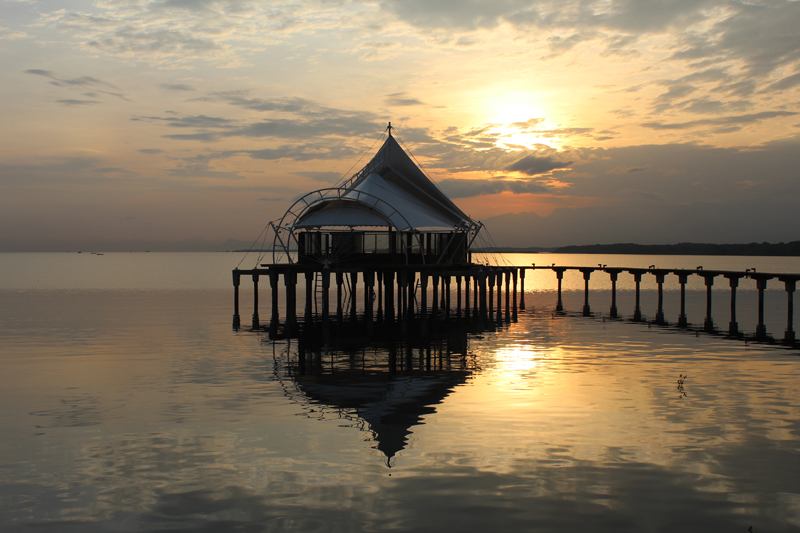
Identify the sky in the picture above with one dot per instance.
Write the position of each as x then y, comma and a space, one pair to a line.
182, 124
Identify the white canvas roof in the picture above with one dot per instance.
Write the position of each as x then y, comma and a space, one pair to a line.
389, 191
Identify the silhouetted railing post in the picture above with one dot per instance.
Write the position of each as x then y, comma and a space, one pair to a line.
733, 277
683, 276
587, 273
637, 278
560, 276
522, 289
790, 284
613, 273
236, 318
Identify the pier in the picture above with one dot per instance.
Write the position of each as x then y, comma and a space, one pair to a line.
424, 299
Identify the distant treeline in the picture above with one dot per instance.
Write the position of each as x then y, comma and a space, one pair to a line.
687, 248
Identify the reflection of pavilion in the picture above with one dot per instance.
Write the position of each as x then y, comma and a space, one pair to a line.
384, 388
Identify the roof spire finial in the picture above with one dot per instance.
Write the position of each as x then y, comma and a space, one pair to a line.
389, 129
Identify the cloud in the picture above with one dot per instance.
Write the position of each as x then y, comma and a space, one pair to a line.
81, 82
150, 150
323, 176
70, 102
400, 99
176, 87
736, 121
533, 165
463, 188
189, 121
785, 83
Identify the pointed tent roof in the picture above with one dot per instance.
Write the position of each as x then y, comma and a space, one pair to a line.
389, 190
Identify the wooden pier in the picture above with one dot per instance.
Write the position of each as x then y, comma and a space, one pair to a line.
430, 297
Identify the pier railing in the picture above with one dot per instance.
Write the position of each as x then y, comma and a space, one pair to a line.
469, 292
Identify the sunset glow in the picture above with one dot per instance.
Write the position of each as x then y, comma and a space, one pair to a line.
617, 111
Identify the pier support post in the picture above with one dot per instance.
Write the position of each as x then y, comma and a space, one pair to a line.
522, 289
290, 283
476, 296
761, 285
481, 293
339, 303
411, 283
733, 326
353, 295
256, 321
790, 283
560, 275
369, 297
637, 278
326, 294
507, 274
388, 283
458, 296
467, 283
708, 324
308, 309
435, 302
274, 318
379, 283
491, 278
236, 318
499, 277
446, 302
660, 274
683, 276
514, 289
613, 273
423, 301
587, 273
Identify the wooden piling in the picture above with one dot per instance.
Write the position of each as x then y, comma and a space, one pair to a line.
637, 278
682, 278
274, 318
587, 273
522, 289
560, 276
790, 283
236, 281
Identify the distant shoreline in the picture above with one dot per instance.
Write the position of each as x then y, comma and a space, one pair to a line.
781, 249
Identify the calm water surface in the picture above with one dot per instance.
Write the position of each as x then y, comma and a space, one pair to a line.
128, 404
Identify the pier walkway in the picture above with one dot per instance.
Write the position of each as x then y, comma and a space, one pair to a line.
431, 296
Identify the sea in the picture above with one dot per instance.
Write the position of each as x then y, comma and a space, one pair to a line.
128, 402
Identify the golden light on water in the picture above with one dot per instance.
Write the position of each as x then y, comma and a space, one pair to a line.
515, 361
